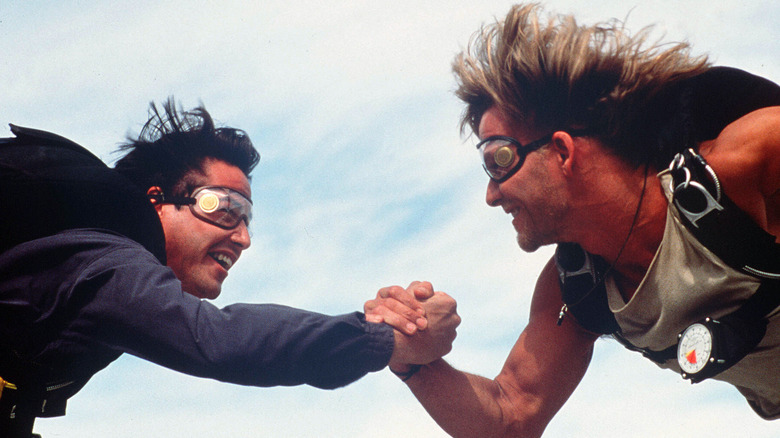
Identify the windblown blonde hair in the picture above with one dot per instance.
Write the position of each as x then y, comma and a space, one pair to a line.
557, 74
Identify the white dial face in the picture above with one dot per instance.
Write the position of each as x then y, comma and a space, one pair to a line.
695, 348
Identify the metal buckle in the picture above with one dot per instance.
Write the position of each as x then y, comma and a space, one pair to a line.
587, 267
711, 204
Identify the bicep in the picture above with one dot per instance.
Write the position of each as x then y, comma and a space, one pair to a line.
547, 362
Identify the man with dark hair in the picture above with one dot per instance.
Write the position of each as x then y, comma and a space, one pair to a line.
577, 128
176, 160
89, 289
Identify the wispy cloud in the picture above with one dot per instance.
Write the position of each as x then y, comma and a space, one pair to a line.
364, 182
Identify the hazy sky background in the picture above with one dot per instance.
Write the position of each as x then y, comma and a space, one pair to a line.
364, 182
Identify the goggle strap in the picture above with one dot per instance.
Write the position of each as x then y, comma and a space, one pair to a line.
175, 200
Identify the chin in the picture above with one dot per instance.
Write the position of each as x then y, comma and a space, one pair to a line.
203, 292
528, 245
211, 294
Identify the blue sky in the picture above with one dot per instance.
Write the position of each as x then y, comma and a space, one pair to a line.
364, 182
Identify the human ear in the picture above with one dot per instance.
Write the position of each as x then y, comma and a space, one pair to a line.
155, 195
563, 146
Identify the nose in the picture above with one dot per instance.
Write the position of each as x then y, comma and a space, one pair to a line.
241, 236
493, 195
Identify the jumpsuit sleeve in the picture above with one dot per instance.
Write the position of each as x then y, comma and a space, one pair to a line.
135, 305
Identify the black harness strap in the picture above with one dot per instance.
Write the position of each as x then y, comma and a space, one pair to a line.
718, 223
581, 276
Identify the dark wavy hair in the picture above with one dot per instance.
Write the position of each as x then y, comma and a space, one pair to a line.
173, 145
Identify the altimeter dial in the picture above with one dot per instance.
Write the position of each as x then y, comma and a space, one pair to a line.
695, 348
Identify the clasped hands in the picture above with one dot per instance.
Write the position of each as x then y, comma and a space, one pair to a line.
425, 322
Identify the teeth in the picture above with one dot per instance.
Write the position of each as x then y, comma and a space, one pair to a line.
224, 260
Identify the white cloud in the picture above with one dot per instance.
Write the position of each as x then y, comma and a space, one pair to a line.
364, 182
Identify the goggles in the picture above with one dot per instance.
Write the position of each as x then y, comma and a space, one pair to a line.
503, 156
219, 206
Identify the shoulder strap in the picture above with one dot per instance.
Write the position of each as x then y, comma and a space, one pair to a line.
581, 276
49, 184
718, 223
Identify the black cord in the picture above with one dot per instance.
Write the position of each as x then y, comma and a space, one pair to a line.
620, 252
630, 231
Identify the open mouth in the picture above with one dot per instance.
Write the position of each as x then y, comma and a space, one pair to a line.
223, 260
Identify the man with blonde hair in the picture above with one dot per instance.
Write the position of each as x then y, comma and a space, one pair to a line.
577, 128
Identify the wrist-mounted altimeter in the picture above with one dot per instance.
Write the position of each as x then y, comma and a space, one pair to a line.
698, 351
709, 347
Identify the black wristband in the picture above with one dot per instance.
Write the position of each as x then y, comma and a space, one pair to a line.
413, 369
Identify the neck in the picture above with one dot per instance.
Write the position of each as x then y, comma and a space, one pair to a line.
624, 224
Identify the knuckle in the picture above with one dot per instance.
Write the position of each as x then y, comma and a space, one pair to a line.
380, 309
386, 292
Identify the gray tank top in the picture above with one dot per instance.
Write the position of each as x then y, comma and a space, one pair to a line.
685, 283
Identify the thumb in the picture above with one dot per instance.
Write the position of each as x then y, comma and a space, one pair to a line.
422, 290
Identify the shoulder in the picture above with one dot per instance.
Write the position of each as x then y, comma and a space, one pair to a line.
746, 148
97, 250
546, 305
71, 250
94, 239
112, 270
765, 119
547, 293
52, 270
746, 158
